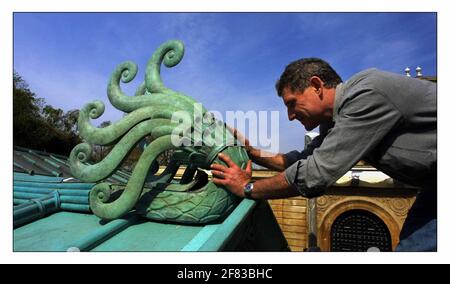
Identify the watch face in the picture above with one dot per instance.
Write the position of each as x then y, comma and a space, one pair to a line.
248, 189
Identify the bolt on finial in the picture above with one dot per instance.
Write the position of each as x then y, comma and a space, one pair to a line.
407, 70
419, 72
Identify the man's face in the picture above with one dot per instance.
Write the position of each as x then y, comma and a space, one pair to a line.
304, 106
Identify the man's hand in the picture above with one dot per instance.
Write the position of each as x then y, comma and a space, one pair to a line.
233, 178
266, 159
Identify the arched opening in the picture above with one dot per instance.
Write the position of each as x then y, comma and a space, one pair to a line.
359, 230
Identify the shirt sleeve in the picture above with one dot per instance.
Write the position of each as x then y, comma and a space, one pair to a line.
293, 156
363, 120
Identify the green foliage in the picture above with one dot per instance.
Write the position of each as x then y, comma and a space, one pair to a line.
40, 126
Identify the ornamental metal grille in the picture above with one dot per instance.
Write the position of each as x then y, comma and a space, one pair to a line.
359, 230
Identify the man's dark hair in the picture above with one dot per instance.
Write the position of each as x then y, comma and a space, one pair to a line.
297, 74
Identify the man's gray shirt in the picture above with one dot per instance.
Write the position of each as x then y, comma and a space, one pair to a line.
388, 120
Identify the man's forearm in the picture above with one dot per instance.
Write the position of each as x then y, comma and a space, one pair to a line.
269, 160
273, 188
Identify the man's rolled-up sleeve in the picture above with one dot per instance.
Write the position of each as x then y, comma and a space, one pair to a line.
294, 156
362, 123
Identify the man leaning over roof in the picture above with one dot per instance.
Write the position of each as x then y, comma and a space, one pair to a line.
385, 119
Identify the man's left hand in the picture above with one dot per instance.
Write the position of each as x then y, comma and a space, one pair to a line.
233, 178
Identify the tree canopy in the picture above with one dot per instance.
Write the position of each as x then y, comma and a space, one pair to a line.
40, 126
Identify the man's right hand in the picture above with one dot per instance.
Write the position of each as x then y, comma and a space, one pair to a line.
271, 161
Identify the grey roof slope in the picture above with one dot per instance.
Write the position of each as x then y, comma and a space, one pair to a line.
35, 162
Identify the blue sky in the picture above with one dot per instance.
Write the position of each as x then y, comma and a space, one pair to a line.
231, 61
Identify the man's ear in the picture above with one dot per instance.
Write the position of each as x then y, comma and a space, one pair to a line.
317, 84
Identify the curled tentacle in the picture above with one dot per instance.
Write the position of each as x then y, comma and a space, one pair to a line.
109, 134
99, 194
81, 153
134, 187
92, 110
101, 170
171, 52
126, 72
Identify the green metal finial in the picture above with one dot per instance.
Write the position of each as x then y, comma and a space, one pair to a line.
165, 116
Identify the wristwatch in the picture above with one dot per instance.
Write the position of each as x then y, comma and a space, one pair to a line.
248, 188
